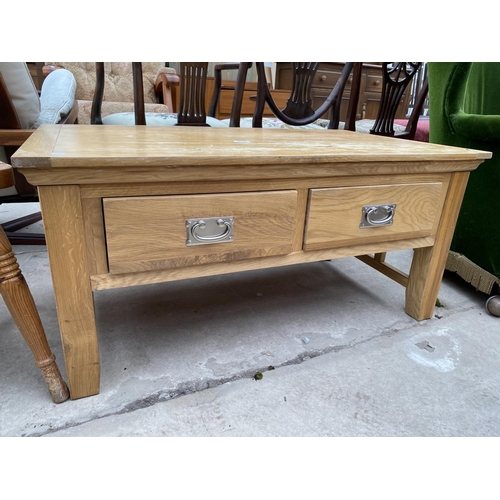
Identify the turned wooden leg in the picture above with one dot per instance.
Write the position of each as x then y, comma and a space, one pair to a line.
19, 301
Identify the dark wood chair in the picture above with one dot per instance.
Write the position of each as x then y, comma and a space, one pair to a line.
12, 136
20, 303
397, 78
192, 98
299, 108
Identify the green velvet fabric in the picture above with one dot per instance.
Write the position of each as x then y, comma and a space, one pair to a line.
464, 109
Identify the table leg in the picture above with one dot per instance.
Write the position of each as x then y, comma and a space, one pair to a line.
20, 303
428, 263
65, 236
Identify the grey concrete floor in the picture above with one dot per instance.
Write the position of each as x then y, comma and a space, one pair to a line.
338, 354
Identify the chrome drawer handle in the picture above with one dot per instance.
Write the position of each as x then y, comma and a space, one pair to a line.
206, 231
377, 215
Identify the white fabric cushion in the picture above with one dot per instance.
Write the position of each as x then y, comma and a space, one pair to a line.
154, 119
364, 126
57, 97
271, 122
22, 91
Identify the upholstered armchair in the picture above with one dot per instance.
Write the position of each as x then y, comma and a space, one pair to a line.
23, 109
191, 92
118, 87
464, 106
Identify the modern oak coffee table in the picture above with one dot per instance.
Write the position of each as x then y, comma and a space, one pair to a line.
126, 206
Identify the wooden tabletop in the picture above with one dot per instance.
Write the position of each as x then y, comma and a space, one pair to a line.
91, 146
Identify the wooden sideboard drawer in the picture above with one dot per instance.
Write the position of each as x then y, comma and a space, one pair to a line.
327, 79
335, 214
147, 233
248, 102
374, 83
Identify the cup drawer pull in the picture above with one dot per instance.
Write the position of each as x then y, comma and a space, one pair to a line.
377, 215
209, 230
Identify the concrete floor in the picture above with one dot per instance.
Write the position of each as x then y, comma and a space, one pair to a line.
338, 354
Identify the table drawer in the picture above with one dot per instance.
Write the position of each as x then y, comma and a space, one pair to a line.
145, 233
335, 215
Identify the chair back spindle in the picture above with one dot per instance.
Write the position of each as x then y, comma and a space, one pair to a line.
396, 78
193, 79
299, 110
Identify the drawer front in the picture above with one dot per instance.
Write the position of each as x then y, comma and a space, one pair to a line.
325, 78
146, 233
374, 83
335, 215
248, 102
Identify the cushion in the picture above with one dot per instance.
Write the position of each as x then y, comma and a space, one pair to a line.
422, 132
111, 107
154, 119
364, 126
118, 82
22, 91
271, 122
57, 97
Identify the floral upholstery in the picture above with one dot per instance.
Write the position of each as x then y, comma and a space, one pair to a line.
118, 87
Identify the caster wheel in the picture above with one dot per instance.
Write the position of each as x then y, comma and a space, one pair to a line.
493, 305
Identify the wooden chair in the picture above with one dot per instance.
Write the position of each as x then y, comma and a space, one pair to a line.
21, 110
192, 99
397, 78
299, 111
20, 303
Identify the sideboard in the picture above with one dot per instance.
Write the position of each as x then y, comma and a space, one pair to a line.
326, 77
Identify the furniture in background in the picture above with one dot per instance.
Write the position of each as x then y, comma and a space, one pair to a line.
191, 92
118, 90
397, 78
370, 88
20, 303
299, 110
22, 110
464, 104
134, 205
223, 94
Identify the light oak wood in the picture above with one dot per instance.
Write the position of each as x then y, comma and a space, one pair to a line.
233, 186
65, 236
390, 271
335, 214
110, 281
95, 235
112, 147
428, 263
145, 233
289, 190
